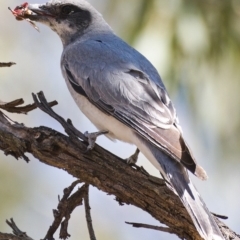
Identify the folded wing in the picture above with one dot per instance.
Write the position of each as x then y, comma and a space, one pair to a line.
130, 90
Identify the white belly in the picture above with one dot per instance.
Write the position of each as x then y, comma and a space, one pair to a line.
102, 121
116, 129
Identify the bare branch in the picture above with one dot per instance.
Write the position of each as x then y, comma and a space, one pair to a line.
88, 214
220, 216
42, 104
9, 64
162, 229
101, 169
13, 106
17, 233
64, 209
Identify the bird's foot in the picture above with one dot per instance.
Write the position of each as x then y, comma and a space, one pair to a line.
133, 158
92, 137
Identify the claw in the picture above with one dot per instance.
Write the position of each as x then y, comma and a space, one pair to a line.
92, 137
133, 158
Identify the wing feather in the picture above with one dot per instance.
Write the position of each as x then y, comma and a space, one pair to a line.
129, 90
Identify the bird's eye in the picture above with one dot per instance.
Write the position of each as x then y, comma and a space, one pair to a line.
67, 10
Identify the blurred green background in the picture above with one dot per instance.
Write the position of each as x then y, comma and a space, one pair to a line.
195, 45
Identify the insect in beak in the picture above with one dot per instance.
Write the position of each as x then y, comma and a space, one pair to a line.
22, 12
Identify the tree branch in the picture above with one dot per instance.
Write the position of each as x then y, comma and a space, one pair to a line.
9, 64
17, 233
88, 215
142, 225
64, 209
101, 169
13, 106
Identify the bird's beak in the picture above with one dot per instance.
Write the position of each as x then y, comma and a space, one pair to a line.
39, 12
33, 13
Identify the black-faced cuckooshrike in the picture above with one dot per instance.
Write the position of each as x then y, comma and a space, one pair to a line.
120, 91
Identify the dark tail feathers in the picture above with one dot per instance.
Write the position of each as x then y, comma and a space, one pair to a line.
176, 174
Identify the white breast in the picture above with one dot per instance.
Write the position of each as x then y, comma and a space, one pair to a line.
102, 121
116, 129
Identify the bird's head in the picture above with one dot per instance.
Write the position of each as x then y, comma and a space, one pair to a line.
70, 19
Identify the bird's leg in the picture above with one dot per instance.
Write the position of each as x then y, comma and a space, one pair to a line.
92, 137
133, 158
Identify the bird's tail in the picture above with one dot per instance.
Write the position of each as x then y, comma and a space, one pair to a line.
178, 177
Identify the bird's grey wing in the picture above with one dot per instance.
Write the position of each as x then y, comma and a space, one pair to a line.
118, 85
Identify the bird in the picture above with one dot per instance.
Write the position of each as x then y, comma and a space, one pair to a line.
123, 95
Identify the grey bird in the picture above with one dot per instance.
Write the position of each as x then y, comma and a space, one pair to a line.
121, 92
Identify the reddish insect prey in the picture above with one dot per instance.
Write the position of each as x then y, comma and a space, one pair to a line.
22, 12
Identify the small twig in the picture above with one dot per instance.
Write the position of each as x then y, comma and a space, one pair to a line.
220, 216
9, 64
13, 106
76, 131
16, 231
162, 229
88, 214
42, 104
65, 207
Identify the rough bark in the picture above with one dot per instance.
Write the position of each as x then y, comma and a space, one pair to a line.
101, 169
